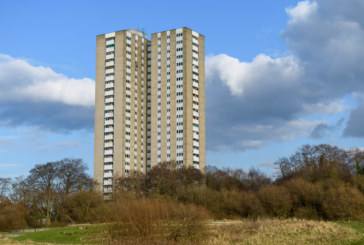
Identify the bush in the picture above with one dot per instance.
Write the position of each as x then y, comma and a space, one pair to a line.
344, 203
12, 217
81, 207
276, 201
251, 206
306, 197
154, 220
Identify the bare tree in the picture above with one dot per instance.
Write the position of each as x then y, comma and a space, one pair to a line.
4, 187
20, 191
317, 162
72, 176
43, 181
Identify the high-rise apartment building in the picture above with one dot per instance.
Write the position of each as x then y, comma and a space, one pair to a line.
150, 102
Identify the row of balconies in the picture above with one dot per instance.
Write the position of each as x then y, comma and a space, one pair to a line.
108, 174
109, 56
109, 85
109, 114
109, 99
109, 122
109, 129
109, 92
109, 107
195, 92
108, 159
109, 70
110, 49
110, 63
111, 41
109, 78
107, 182
109, 137
196, 136
108, 151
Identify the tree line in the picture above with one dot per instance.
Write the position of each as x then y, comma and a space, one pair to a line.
35, 200
319, 182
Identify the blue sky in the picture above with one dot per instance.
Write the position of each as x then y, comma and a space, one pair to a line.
279, 74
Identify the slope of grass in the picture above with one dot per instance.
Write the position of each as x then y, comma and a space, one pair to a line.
62, 235
355, 225
289, 231
267, 232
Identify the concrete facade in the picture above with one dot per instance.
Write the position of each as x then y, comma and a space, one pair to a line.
150, 102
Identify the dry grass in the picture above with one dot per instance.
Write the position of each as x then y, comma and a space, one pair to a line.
289, 231
262, 231
6, 241
154, 221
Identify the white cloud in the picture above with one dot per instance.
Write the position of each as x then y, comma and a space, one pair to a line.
21, 81
250, 104
302, 12
37, 96
239, 75
326, 107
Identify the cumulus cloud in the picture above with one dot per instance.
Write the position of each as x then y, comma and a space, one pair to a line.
324, 129
20, 81
250, 104
38, 96
355, 126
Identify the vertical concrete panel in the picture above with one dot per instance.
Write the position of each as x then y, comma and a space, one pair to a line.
173, 95
201, 58
187, 98
99, 111
119, 104
164, 97
154, 99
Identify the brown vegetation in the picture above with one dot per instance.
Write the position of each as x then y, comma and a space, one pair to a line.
12, 217
274, 231
170, 204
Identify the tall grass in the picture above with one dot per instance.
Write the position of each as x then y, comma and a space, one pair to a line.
154, 220
287, 231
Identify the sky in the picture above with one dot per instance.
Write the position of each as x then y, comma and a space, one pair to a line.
279, 74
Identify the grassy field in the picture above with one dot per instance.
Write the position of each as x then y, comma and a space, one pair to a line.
62, 235
274, 232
